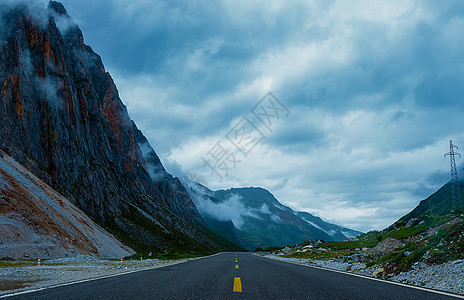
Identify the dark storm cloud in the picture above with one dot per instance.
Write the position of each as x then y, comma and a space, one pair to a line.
374, 91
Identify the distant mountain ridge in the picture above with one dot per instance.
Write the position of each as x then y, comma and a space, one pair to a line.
253, 217
62, 118
336, 231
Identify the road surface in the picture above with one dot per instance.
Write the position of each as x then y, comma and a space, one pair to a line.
234, 276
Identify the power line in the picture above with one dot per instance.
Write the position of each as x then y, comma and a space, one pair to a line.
455, 190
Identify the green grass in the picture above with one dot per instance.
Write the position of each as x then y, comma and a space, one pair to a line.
404, 232
446, 245
320, 255
397, 231
367, 240
18, 263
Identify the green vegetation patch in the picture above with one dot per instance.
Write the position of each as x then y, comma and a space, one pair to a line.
320, 255
18, 263
446, 245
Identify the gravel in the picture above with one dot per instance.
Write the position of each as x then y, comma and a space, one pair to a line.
76, 259
448, 277
445, 277
65, 270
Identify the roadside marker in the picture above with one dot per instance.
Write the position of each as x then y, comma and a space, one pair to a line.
38, 261
237, 285
121, 259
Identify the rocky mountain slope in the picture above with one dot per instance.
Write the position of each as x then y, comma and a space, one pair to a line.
253, 217
62, 118
36, 221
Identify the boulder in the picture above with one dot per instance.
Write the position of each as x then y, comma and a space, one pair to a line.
379, 273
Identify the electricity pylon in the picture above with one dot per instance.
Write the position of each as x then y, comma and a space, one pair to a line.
455, 190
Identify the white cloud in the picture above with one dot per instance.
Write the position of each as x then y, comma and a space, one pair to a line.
64, 23
351, 180
156, 172
231, 208
372, 88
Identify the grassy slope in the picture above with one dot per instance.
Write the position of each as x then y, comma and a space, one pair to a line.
438, 203
443, 244
447, 244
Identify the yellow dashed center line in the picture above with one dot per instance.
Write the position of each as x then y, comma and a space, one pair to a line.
237, 284
237, 281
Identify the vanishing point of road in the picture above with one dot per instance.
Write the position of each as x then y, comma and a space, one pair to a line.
234, 276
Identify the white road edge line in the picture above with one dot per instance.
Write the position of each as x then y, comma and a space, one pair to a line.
371, 278
101, 277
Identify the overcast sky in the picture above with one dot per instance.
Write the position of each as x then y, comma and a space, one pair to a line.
374, 92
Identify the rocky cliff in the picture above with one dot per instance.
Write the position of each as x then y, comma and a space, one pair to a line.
62, 118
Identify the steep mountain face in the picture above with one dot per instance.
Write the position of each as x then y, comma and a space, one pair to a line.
36, 221
62, 118
260, 219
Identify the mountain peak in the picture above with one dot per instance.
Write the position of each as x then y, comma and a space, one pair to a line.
257, 218
58, 8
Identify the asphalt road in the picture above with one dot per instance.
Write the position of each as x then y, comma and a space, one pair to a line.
234, 276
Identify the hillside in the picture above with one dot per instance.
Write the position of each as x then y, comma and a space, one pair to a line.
62, 118
36, 221
419, 240
439, 203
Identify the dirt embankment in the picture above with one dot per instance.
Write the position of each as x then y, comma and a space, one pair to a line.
38, 222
